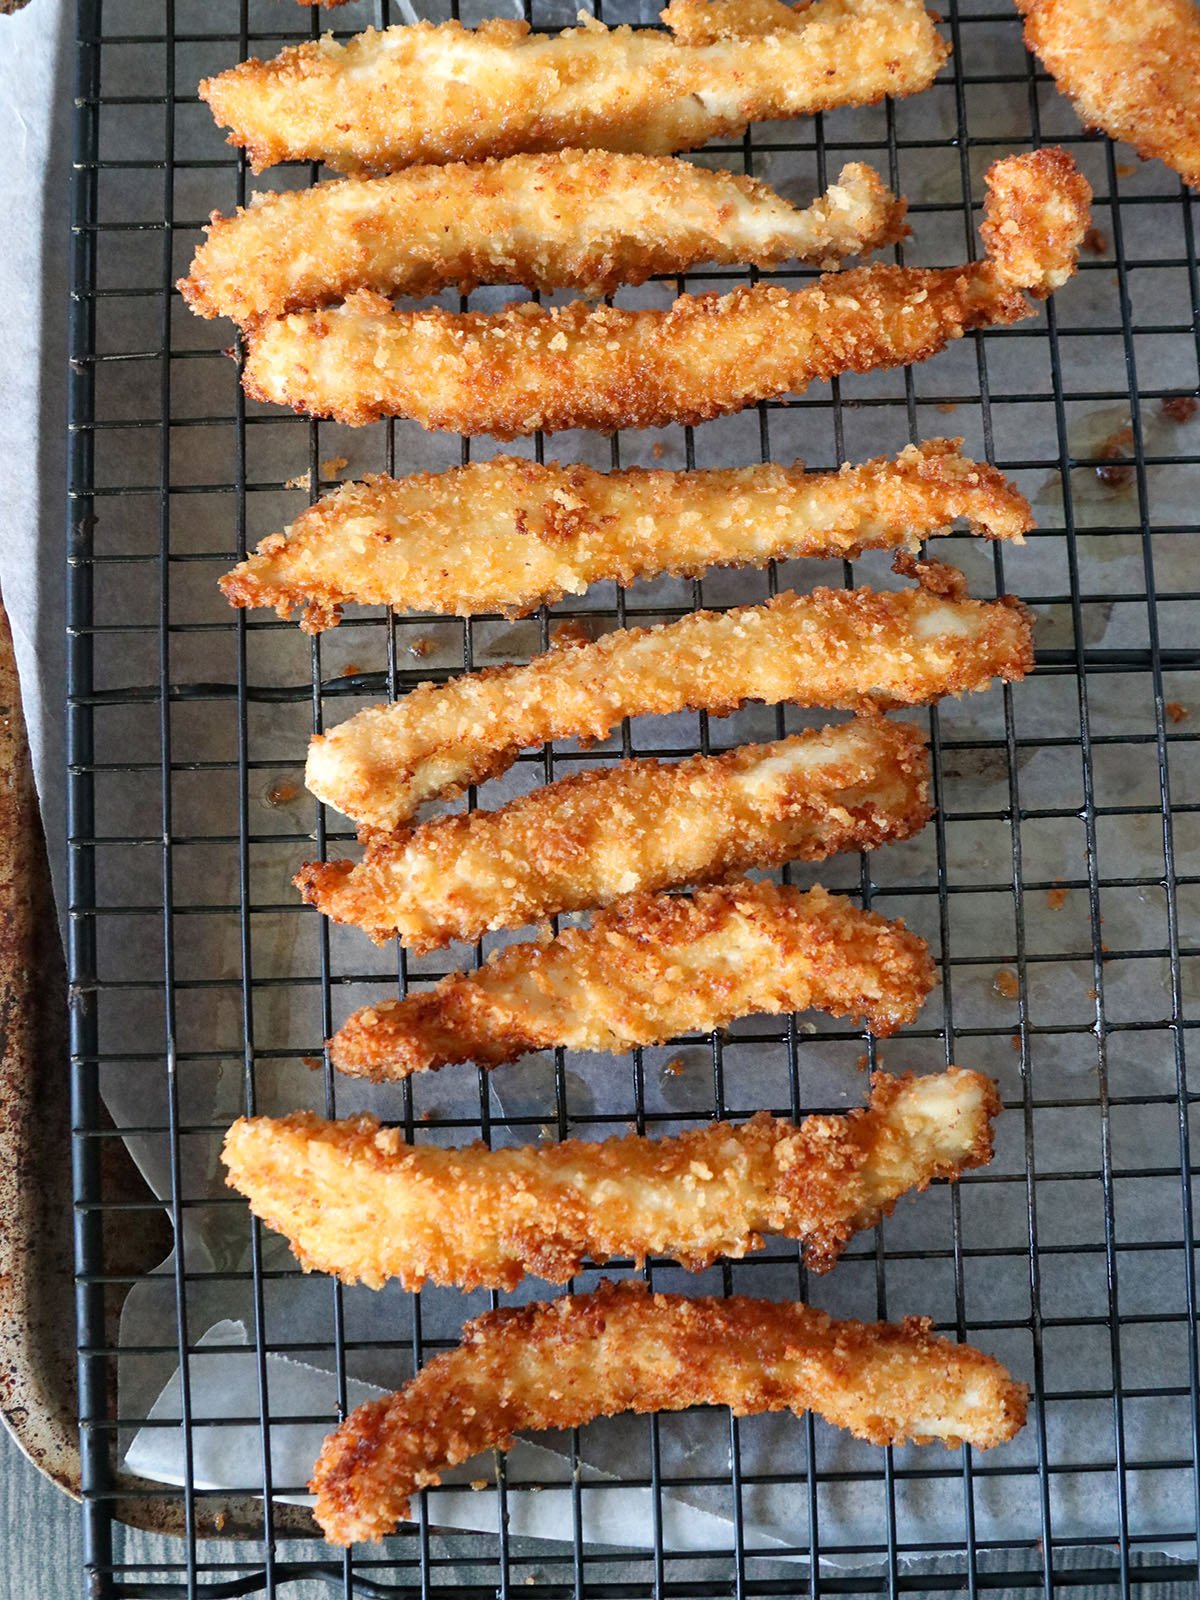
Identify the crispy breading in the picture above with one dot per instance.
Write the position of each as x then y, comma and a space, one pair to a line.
353, 1199
511, 534
579, 366
443, 92
579, 219
649, 968
562, 1363
1130, 70
836, 648
644, 825
706, 21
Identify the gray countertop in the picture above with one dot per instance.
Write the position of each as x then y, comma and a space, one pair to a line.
40, 1546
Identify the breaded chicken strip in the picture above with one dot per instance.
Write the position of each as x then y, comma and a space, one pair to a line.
1133, 71
837, 648
587, 840
448, 93
353, 1199
578, 219
510, 534
649, 968
528, 367
562, 1363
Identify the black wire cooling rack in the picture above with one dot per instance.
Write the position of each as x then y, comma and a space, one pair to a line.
1058, 883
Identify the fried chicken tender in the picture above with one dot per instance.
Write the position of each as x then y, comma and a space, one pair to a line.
354, 1200
649, 968
836, 648
579, 366
441, 93
1130, 70
510, 534
562, 1363
579, 219
586, 840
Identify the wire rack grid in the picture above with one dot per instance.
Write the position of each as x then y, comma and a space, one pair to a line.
1053, 883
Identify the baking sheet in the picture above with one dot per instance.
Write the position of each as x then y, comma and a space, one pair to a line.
35, 128
991, 1210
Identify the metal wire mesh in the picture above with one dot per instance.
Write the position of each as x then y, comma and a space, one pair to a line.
1083, 1014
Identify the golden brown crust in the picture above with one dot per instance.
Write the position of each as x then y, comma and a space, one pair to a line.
1035, 215
587, 840
354, 1200
580, 219
528, 367
650, 968
835, 648
706, 21
447, 93
1130, 70
511, 534
561, 1364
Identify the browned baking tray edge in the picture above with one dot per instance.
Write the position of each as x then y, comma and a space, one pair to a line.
37, 1367
37, 1302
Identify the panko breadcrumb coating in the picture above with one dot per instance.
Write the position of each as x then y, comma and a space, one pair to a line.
442, 92
649, 968
836, 648
562, 1363
576, 219
353, 1199
527, 368
644, 825
511, 534
1133, 71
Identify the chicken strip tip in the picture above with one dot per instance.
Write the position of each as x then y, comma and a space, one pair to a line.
441, 92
